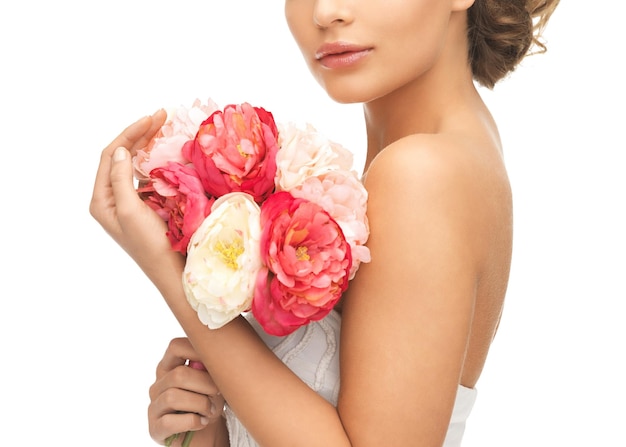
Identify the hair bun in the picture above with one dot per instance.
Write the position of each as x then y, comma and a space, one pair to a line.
502, 32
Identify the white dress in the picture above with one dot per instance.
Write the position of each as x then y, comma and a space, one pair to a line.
312, 352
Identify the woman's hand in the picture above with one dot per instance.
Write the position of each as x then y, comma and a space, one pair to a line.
185, 399
116, 205
182, 398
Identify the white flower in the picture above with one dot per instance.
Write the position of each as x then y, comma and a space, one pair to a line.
306, 153
223, 260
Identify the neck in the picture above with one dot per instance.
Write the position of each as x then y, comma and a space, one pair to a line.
426, 104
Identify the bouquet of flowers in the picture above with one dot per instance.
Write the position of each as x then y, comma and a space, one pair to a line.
270, 217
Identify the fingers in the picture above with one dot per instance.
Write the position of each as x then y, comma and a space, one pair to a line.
173, 423
121, 177
177, 400
185, 378
182, 398
172, 372
138, 134
131, 135
158, 119
177, 353
178, 411
115, 203
127, 139
135, 136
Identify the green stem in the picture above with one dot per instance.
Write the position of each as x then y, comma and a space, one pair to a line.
168, 441
187, 439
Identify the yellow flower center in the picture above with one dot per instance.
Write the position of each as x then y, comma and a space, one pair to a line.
241, 152
302, 253
230, 252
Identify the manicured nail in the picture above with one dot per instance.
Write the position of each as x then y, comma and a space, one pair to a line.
120, 154
197, 365
204, 421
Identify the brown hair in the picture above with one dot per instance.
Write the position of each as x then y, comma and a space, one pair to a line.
502, 32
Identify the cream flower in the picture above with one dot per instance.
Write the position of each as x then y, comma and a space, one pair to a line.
223, 260
307, 153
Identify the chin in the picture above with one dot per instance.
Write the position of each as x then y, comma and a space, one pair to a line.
346, 100
347, 95
355, 88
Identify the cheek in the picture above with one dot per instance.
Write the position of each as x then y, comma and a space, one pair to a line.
418, 34
415, 45
299, 18
304, 33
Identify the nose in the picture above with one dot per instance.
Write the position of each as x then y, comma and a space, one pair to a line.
328, 13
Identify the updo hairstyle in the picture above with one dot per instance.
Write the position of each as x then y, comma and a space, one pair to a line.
502, 32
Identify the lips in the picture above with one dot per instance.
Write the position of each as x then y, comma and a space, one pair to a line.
341, 54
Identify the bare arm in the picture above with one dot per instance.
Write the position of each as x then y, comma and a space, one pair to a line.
263, 392
406, 318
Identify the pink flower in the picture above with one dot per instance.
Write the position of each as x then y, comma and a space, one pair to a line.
308, 263
235, 151
307, 153
176, 194
342, 195
180, 127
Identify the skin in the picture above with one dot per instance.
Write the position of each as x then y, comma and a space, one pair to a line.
419, 319
179, 388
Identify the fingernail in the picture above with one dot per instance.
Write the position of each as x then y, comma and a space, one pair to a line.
119, 154
197, 365
204, 420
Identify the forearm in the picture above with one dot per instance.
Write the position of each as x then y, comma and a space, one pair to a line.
214, 435
264, 394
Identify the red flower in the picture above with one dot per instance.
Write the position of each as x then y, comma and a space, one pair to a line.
235, 151
175, 192
308, 263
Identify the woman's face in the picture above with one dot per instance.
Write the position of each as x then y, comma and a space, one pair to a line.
361, 50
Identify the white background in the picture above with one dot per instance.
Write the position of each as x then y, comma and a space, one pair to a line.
82, 330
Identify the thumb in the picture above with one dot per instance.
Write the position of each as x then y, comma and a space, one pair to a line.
122, 180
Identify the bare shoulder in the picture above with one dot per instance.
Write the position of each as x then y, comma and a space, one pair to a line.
441, 176
435, 160
434, 207
441, 193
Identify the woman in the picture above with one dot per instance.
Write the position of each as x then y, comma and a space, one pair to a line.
417, 321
